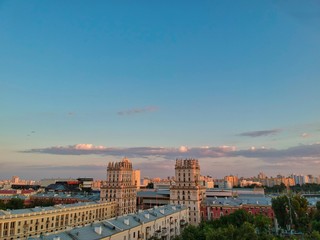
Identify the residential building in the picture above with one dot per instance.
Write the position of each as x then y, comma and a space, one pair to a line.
232, 179
136, 178
119, 187
23, 223
163, 223
188, 189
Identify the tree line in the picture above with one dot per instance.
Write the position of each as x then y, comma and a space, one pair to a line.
241, 225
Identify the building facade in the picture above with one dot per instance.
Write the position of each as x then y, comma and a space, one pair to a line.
24, 223
120, 187
163, 223
188, 189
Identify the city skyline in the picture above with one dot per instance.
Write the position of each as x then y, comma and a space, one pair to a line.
233, 84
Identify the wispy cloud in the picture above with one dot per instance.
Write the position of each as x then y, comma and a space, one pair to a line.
300, 151
138, 110
260, 133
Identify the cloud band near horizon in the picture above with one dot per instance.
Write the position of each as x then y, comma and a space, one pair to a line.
300, 151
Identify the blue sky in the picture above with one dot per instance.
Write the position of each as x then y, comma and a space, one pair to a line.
233, 83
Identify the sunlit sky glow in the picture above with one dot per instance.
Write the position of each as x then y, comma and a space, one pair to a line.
232, 83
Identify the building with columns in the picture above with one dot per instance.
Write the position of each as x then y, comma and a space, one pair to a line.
188, 189
120, 187
40, 221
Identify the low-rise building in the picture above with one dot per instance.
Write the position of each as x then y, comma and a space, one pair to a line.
217, 207
24, 223
163, 223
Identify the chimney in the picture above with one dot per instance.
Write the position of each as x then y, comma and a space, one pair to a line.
98, 230
126, 221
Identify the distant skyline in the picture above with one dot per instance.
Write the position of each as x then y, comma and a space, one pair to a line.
234, 84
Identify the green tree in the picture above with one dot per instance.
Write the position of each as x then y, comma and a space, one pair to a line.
39, 202
262, 223
192, 233
292, 210
15, 203
315, 235
301, 220
246, 232
221, 233
280, 206
150, 185
237, 218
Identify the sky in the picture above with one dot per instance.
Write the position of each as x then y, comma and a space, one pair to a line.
234, 84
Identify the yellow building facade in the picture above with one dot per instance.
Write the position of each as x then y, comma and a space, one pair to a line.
24, 223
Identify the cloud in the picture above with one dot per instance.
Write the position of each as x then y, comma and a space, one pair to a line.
260, 133
172, 153
304, 152
138, 110
305, 135
85, 146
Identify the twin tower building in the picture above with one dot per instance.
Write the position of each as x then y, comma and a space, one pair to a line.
187, 189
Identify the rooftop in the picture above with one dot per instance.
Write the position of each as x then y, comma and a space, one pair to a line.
114, 225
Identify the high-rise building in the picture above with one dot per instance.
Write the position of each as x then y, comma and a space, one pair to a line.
136, 178
15, 180
119, 187
232, 179
188, 189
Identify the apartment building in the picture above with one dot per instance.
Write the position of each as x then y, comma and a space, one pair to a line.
163, 223
23, 223
120, 187
188, 189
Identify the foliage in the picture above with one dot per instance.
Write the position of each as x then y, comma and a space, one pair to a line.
315, 235
306, 188
238, 225
262, 223
280, 208
293, 211
242, 225
38, 202
150, 185
13, 203
276, 188
192, 232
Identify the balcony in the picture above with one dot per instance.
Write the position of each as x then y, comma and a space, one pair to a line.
164, 232
157, 234
183, 222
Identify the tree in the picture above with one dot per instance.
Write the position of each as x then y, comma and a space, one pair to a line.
246, 232
192, 233
2, 205
150, 185
39, 202
292, 211
15, 203
262, 223
221, 233
281, 210
236, 218
315, 235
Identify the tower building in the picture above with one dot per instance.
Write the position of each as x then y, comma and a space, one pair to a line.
187, 189
120, 187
